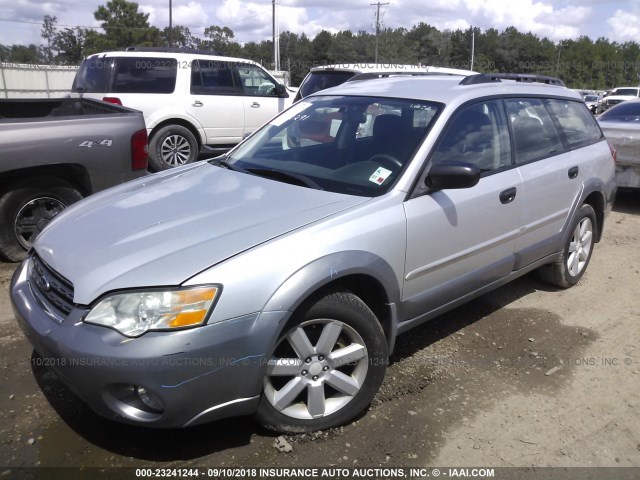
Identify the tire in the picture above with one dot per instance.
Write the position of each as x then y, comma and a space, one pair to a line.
27, 209
172, 146
326, 367
569, 268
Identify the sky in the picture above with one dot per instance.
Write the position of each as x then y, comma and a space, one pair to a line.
21, 20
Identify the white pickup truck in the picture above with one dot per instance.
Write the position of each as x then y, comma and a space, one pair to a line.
53, 152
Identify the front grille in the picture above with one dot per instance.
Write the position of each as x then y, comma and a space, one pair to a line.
57, 290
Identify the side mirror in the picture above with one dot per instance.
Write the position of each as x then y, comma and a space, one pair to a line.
452, 175
281, 90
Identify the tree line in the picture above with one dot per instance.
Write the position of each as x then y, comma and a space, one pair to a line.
582, 63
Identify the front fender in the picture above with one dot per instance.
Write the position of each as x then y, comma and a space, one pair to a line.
330, 269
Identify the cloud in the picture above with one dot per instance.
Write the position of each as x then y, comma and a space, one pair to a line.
624, 26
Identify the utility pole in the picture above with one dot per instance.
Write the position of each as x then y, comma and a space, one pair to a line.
170, 25
377, 24
473, 46
558, 62
276, 39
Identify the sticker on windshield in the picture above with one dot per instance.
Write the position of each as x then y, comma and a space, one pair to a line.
292, 112
380, 175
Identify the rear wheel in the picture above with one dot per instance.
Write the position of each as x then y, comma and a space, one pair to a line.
569, 268
27, 209
172, 146
326, 367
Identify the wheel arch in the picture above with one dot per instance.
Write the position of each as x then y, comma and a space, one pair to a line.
364, 274
178, 121
76, 176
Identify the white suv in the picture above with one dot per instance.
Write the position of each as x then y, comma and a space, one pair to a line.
327, 76
188, 99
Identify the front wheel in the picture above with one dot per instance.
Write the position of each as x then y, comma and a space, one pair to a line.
172, 146
569, 268
27, 209
326, 367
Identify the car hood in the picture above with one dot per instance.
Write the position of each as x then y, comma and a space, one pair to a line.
163, 229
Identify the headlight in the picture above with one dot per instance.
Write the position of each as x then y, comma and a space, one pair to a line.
135, 313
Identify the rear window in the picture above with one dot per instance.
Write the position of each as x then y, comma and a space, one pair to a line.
126, 75
624, 112
317, 81
625, 91
93, 75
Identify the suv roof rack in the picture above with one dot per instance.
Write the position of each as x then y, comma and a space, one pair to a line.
370, 75
518, 77
173, 50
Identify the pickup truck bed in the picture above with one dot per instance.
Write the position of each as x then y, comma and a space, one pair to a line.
53, 152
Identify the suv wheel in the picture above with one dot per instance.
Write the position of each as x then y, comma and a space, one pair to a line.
172, 146
27, 209
568, 270
325, 368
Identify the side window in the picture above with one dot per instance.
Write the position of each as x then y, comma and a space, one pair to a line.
478, 134
534, 132
209, 77
145, 75
256, 82
576, 122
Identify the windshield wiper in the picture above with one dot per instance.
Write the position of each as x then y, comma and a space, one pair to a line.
220, 162
288, 177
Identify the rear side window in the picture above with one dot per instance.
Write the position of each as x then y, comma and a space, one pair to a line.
211, 77
534, 132
576, 122
145, 75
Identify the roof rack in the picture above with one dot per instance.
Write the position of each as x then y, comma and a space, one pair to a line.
518, 77
173, 50
401, 73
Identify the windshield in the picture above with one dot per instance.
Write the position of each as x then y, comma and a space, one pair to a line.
351, 145
317, 81
625, 91
625, 112
591, 98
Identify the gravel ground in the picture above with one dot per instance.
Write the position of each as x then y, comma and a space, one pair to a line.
525, 376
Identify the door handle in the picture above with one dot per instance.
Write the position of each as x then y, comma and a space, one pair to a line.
255, 105
508, 195
198, 103
573, 172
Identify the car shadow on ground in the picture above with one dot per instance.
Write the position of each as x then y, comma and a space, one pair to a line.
195, 442
627, 201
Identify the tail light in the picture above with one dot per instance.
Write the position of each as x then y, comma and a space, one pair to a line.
115, 100
139, 150
614, 152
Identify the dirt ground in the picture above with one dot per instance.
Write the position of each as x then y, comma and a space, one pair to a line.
525, 376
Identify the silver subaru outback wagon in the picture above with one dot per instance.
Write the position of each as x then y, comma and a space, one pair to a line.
274, 280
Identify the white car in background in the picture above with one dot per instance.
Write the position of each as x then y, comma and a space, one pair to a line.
327, 76
190, 98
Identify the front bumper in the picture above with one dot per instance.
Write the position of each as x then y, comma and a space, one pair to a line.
200, 375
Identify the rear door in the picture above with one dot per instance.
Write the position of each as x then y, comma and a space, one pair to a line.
215, 100
461, 240
548, 136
